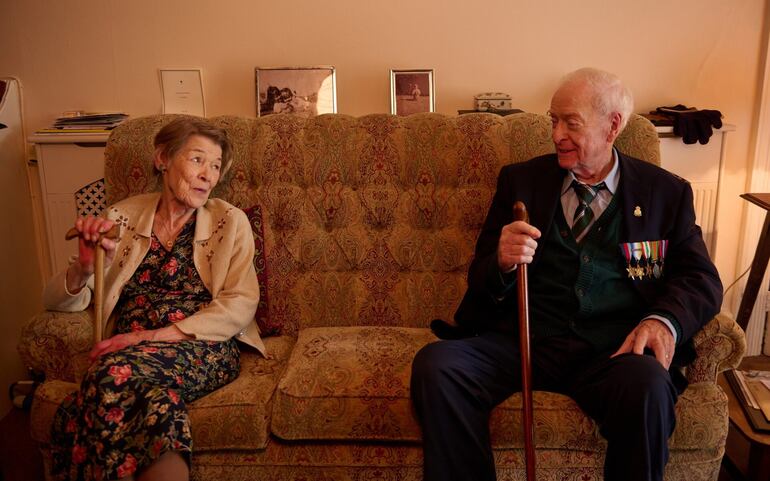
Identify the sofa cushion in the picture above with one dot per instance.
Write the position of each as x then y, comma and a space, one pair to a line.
352, 383
560, 424
349, 383
236, 416
267, 326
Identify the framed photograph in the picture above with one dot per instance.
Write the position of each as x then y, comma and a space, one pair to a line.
412, 91
305, 91
182, 91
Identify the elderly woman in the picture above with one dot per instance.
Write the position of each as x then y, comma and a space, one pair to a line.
180, 286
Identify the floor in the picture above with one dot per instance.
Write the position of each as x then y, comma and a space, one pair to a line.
728, 473
19, 458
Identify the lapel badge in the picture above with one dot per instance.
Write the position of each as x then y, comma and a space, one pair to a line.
637, 211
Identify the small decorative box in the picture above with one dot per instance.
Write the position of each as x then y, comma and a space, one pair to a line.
492, 101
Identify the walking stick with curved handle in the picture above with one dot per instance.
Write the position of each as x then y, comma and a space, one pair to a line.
520, 213
98, 277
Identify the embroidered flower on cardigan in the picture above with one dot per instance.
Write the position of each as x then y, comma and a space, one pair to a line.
121, 220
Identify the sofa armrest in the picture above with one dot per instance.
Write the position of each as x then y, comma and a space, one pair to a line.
720, 346
57, 344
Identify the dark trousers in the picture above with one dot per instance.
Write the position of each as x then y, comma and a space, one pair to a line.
456, 384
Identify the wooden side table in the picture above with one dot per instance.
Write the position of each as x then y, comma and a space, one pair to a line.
758, 265
747, 450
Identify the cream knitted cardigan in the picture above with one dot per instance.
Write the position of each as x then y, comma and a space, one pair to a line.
223, 253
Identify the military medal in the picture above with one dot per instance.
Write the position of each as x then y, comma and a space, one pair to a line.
655, 259
662, 244
644, 259
626, 249
640, 272
638, 252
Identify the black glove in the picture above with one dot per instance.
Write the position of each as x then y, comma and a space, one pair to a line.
691, 124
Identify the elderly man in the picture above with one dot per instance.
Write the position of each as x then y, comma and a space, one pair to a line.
619, 282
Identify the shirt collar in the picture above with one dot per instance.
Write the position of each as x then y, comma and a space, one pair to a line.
611, 180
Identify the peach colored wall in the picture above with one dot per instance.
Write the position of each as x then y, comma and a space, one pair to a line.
104, 54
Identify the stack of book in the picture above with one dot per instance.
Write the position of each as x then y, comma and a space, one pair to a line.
85, 122
752, 388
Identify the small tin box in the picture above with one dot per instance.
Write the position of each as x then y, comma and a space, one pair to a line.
492, 101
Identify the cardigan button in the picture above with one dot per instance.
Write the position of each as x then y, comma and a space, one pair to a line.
580, 292
586, 259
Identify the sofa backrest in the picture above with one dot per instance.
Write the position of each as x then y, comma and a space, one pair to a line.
369, 220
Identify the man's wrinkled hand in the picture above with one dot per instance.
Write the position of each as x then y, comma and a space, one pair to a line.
652, 334
516, 245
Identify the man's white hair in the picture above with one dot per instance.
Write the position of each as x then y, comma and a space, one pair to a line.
609, 93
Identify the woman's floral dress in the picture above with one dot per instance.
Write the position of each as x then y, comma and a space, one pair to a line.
130, 408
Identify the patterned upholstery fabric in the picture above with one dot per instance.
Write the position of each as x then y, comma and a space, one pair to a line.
352, 383
57, 344
401, 462
349, 383
266, 326
369, 225
720, 346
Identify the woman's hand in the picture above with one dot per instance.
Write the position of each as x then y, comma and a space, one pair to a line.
89, 228
121, 341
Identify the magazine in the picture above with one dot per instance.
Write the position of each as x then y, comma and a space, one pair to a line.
753, 394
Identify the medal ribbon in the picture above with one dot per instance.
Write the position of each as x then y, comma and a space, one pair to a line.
626, 249
654, 252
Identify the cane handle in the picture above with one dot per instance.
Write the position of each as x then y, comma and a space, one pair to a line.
98, 277
520, 211
110, 234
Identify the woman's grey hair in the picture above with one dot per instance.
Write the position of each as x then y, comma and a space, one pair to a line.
609, 93
174, 135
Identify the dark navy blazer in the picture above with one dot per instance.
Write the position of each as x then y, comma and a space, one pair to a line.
689, 291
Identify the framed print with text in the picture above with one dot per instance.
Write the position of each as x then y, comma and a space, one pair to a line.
182, 91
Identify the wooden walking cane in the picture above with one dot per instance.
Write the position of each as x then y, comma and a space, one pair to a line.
520, 213
98, 277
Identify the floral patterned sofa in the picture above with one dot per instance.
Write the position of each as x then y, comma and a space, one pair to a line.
364, 230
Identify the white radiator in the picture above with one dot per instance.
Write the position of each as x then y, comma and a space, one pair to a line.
705, 201
701, 165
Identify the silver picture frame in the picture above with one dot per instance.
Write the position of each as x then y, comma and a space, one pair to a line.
412, 91
303, 91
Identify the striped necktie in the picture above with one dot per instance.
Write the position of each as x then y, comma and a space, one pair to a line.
584, 216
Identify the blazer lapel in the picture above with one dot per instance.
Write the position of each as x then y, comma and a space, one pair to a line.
635, 200
546, 198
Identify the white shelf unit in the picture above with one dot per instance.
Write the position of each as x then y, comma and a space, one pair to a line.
702, 166
66, 163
